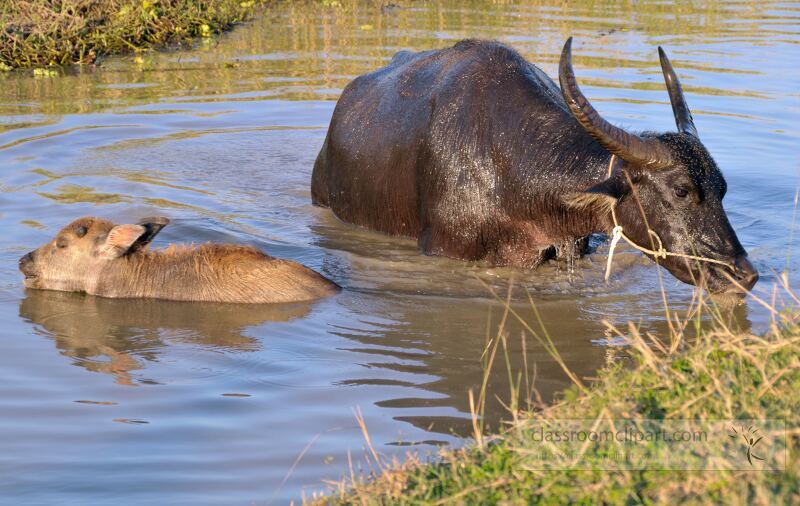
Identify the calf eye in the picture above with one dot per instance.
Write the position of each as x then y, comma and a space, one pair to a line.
681, 192
80, 231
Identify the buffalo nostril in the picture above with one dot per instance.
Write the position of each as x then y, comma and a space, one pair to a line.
28, 258
745, 273
750, 280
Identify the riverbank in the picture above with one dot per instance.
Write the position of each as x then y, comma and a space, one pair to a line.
722, 375
42, 33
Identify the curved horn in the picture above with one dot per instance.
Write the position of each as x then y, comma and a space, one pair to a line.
683, 117
629, 147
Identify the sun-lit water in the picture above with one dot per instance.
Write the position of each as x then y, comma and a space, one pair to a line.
154, 402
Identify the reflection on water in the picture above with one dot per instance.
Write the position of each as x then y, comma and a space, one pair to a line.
147, 401
116, 336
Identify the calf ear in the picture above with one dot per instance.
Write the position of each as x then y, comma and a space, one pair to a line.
121, 239
603, 195
153, 226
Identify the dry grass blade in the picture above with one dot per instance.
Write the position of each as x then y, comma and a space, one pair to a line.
545, 341
475, 420
363, 426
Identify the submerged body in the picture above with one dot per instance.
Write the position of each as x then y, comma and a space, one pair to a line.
93, 256
479, 155
427, 147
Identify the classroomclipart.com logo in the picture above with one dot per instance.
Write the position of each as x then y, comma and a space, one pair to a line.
651, 444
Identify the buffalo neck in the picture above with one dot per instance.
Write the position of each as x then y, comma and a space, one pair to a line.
552, 171
148, 274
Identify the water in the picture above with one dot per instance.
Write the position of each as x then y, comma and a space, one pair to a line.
151, 402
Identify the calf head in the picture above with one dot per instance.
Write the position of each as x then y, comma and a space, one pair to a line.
667, 183
74, 259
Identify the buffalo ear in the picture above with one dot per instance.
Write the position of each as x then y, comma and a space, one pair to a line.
120, 240
602, 196
153, 226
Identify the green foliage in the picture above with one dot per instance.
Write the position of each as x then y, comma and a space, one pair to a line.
42, 33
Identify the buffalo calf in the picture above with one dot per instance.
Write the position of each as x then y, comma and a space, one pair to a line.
95, 256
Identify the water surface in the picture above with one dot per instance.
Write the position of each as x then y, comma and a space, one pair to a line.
152, 402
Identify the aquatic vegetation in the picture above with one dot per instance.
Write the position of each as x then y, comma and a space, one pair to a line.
720, 374
71, 194
42, 33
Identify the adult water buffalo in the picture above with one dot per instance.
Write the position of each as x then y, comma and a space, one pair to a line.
479, 155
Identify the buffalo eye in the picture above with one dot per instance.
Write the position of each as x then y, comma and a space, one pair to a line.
80, 231
681, 192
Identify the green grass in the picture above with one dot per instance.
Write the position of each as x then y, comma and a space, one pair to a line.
720, 374
42, 33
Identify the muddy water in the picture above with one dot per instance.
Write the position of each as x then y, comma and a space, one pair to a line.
152, 402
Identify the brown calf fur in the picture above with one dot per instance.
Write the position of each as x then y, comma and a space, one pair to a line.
94, 256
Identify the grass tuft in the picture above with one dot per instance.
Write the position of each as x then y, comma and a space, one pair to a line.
720, 375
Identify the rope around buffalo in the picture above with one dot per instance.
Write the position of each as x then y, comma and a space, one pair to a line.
618, 233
